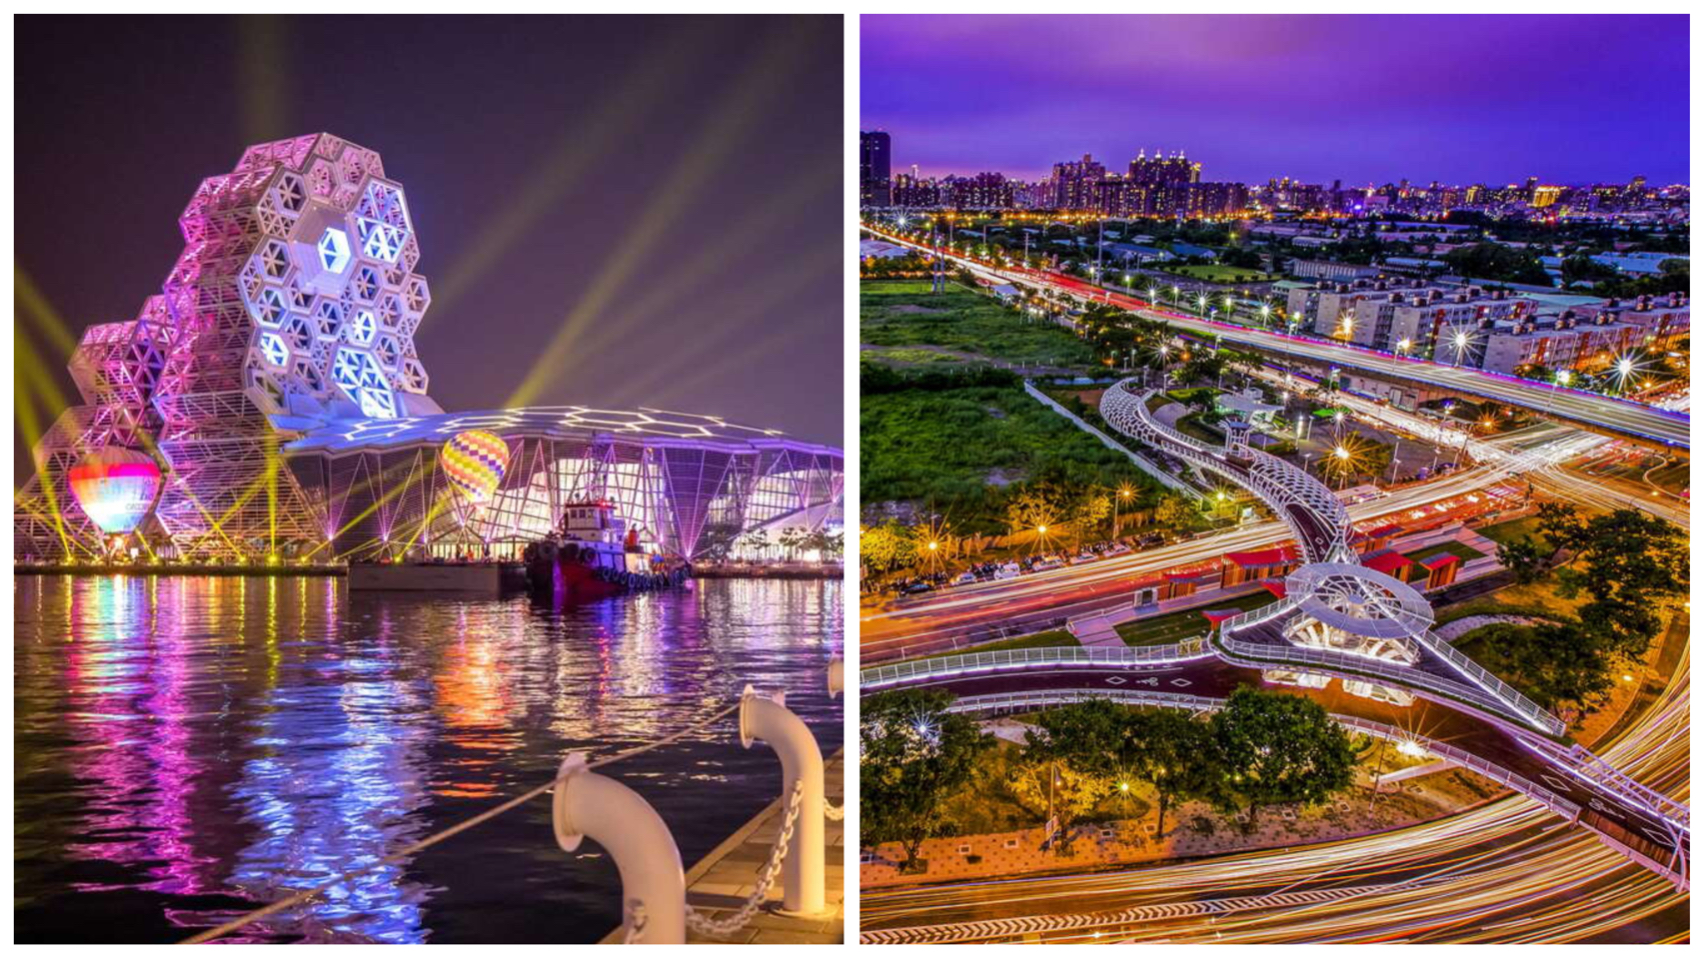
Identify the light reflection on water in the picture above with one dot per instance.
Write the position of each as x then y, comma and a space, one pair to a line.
190, 748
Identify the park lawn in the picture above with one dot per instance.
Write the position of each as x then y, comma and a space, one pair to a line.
904, 313
1523, 600
953, 449
1220, 273
1508, 531
1184, 624
1456, 547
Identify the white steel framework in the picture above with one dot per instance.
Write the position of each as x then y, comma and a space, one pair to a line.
275, 382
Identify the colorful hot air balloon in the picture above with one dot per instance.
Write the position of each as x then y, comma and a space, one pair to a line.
474, 461
116, 487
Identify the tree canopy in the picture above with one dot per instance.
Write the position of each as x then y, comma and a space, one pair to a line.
1279, 748
913, 754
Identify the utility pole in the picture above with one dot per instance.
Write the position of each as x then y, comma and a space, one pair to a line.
1374, 784
938, 272
1099, 223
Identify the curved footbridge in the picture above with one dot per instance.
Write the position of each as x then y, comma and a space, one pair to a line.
1355, 639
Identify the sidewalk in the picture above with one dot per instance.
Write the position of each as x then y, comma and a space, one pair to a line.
1195, 830
721, 882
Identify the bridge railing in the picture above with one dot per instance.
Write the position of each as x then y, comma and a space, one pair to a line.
1135, 413
988, 661
1507, 694
1486, 697
1258, 615
1027, 701
1593, 768
1445, 751
1277, 483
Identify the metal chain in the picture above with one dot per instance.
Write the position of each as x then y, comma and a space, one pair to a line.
704, 926
635, 921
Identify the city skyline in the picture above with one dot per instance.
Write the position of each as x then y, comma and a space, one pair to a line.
1281, 103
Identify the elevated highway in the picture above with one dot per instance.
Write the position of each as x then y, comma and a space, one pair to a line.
1609, 415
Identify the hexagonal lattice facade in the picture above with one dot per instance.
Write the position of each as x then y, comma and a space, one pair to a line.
295, 300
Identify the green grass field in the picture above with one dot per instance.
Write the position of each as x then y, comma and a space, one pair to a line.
1219, 273
955, 448
1184, 624
1530, 600
1510, 530
905, 314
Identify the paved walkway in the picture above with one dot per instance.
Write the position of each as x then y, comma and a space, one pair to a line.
721, 882
1099, 631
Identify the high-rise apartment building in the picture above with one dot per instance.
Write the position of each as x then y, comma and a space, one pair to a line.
874, 169
1174, 168
1075, 183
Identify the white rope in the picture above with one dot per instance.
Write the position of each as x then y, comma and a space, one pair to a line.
447, 833
726, 927
834, 813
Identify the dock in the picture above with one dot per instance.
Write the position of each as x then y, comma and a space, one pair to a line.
721, 882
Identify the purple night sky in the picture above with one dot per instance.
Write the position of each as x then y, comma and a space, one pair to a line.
531, 149
1460, 99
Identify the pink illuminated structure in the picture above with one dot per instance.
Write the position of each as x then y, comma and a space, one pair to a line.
275, 382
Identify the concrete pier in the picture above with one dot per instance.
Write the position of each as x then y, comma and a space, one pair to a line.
718, 884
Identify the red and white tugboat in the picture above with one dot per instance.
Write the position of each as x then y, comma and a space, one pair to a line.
591, 556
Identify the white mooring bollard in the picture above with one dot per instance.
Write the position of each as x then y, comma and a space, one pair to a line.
654, 891
768, 719
836, 685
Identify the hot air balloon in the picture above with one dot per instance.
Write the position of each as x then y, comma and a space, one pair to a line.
115, 486
474, 461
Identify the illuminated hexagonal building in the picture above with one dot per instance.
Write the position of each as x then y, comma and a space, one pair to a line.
275, 380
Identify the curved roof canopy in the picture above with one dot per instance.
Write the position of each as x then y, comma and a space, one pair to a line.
1359, 601
572, 422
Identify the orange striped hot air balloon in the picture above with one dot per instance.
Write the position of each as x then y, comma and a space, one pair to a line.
115, 487
474, 461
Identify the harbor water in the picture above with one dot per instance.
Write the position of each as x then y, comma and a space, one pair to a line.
191, 748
